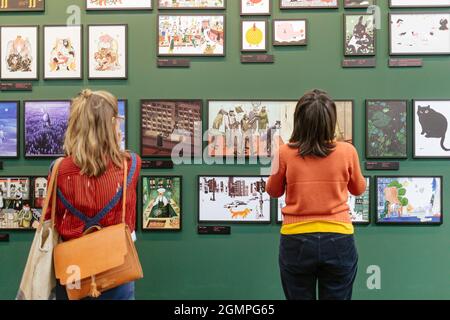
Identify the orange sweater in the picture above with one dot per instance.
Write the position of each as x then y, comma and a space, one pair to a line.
317, 188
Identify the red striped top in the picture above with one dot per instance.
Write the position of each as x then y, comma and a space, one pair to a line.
90, 195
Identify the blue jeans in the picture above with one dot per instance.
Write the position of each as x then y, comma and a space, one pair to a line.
328, 261
123, 292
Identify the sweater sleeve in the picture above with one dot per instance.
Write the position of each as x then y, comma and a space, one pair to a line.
357, 182
276, 184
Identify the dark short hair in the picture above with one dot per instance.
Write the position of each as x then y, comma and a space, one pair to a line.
314, 125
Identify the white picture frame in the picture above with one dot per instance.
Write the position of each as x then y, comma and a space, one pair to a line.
309, 4
254, 35
103, 5
290, 32
419, 3
250, 8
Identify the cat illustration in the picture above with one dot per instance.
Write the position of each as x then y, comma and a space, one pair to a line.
434, 124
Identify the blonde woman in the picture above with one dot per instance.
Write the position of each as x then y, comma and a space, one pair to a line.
91, 174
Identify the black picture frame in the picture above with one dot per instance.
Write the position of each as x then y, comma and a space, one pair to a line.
377, 220
141, 186
368, 155
347, 5
266, 35
415, 156
391, 53
229, 222
31, 179
192, 8
25, 128
346, 15
159, 54
242, 14
120, 9
36, 50
352, 101
44, 27
17, 103
125, 77
19, 8
282, 7
142, 101
298, 43
418, 6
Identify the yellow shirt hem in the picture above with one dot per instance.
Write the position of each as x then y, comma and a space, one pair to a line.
317, 226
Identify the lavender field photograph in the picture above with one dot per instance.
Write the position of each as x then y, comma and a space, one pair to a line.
45, 127
8, 129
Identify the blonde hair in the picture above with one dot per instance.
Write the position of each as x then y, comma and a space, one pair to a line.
91, 137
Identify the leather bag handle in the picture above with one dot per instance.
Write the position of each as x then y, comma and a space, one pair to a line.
51, 194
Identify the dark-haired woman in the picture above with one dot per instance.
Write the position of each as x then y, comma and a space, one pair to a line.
317, 248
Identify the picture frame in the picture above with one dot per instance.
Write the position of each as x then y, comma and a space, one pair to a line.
234, 208
277, 117
386, 118
22, 6
159, 139
19, 52
123, 112
21, 201
167, 214
210, 42
254, 35
409, 200
9, 129
63, 52
357, 4
309, 4
45, 119
432, 38
108, 51
430, 129
419, 3
345, 120
252, 8
289, 32
359, 206
361, 39
123, 5
198, 5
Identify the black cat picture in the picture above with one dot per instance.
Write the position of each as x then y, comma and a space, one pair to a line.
434, 124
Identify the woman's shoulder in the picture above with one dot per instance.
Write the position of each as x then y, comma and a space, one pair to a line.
345, 148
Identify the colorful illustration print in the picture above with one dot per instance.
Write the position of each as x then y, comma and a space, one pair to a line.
359, 35
8, 129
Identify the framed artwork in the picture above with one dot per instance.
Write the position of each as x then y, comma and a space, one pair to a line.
107, 47
419, 3
256, 7
39, 191
290, 32
431, 128
309, 4
63, 51
254, 35
359, 35
245, 128
359, 207
409, 200
191, 35
192, 4
118, 4
386, 129
19, 52
45, 127
161, 203
350, 4
419, 33
233, 199
22, 5
169, 124
123, 112
9, 129
344, 120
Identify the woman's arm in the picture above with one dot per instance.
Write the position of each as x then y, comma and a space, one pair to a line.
277, 181
357, 182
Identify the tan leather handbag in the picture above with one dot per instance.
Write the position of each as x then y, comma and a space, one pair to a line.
98, 261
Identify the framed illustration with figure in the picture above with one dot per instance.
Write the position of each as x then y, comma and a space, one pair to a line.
289, 32
19, 52
431, 128
63, 52
256, 7
118, 5
108, 51
359, 34
254, 35
161, 203
9, 129
22, 5
192, 4
403, 200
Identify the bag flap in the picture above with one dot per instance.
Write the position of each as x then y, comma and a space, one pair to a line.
93, 253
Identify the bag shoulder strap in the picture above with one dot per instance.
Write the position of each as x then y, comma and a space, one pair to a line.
51, 191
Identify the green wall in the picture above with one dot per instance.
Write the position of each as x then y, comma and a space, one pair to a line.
414, 261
